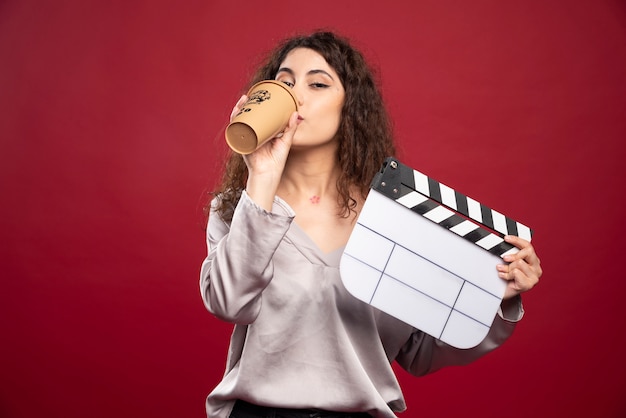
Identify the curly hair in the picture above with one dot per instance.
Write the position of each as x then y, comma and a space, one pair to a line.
365, 132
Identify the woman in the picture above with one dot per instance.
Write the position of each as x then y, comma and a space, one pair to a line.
303, 346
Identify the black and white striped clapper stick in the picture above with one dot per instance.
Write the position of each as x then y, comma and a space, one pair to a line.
447, 207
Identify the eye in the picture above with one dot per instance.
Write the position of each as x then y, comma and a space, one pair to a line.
319, 85
289, 83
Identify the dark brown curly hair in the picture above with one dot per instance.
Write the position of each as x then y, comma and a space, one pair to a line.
365, 132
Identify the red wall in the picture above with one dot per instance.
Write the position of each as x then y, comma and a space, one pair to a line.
111, 127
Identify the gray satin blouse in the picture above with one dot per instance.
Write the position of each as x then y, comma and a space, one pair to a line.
300, 339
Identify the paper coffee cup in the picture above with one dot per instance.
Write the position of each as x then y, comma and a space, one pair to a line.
265, 114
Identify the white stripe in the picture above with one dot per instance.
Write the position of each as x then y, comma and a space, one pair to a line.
412, 199
447, 196
489, 241
473, 207
523, 231
499, 222
464, 228
438, 214
421, 183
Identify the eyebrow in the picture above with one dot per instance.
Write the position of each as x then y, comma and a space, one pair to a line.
311, 72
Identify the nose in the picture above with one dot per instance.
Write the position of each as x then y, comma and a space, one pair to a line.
299, 93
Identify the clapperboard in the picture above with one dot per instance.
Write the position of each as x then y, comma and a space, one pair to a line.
427, 254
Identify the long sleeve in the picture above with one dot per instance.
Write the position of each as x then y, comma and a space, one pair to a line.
239, 262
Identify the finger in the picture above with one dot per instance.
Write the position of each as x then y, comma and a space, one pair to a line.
507, 271
524, 253
282, 140
527, 251
289, 131
237, 108
522, 266
522, 271
523, 281
513, 288
518, 282
517, 241
293, 123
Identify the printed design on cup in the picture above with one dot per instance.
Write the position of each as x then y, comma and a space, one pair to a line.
255, 98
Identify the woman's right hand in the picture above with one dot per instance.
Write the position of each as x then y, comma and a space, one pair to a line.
266, 164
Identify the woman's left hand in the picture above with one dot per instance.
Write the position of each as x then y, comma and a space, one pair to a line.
523, 269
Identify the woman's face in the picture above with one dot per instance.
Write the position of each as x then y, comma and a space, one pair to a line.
320, 96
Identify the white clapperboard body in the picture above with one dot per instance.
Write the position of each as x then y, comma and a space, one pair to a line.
426, 254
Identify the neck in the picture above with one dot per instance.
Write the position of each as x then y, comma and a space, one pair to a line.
310, 176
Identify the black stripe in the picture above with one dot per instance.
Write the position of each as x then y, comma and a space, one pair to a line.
511, 226
433, 190
500, 248
425, 207
461, 203
477, 234
487, 216
451, 221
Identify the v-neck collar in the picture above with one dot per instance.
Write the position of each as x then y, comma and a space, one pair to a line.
311, 250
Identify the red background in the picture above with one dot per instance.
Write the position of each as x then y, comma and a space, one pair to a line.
112, 116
